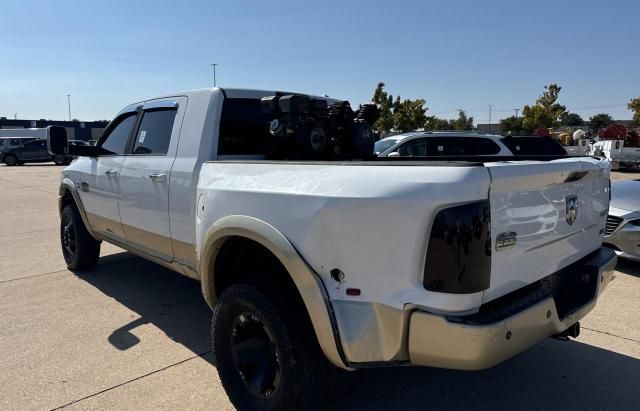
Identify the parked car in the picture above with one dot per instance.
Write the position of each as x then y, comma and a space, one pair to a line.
13, 142
623, 223
466, 144
313, 263
34, 151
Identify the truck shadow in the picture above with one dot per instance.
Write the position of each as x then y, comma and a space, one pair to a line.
629, 267
170, 301
553, 374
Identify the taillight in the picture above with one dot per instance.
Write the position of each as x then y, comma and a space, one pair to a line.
459, 252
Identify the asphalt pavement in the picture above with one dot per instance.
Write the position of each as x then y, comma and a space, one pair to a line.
132, 335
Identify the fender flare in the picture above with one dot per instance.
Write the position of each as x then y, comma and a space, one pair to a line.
66, 185
309, 286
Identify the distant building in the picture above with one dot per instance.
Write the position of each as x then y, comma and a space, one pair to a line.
77, 130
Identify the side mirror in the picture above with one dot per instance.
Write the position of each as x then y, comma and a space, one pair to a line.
393, 154
57, 143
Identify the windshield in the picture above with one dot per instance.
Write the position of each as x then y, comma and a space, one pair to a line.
384, 144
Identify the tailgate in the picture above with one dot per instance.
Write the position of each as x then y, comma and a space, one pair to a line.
555, 210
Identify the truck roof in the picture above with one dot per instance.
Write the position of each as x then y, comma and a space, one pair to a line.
227, 92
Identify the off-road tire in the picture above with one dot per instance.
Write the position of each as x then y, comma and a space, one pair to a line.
79, 249
60, 160
306, 380
10, 160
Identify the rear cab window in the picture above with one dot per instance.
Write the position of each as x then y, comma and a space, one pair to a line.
525, 146
154, 134
244, 127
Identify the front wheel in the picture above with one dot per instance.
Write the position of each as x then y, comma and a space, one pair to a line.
80, 250
266, 359
10, 160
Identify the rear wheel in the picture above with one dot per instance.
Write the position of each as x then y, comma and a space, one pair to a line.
59, 160
268, 359
80, 250
10, 160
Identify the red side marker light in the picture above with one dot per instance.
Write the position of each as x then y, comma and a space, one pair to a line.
353, 291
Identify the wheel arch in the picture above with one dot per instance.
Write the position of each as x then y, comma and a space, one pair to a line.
69, 195
308, 285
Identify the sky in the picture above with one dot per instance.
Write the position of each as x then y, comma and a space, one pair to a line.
454, 54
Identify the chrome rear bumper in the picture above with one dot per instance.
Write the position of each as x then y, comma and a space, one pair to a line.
500, 332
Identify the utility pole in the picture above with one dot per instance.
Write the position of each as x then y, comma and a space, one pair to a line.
69, 105
15, 116
214, 73
516, 110
490, 108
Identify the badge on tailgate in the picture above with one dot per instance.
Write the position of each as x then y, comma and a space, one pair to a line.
572, 209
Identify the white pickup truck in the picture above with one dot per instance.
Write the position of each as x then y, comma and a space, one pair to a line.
315, 266
616, 152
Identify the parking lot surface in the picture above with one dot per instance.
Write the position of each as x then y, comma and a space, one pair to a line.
133, 335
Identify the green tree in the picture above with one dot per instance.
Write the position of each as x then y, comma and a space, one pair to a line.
599, 121
435, 123
463, 122
634, 105
385, 101
409, 114
571, 119
511, 125
546, 112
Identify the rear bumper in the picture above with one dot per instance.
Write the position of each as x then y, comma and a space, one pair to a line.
514, 324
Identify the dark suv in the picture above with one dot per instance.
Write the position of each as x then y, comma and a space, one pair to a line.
32, 152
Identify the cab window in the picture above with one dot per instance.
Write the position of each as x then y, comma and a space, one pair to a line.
244, 127
154, 133
37, 145
414, 148
115, 142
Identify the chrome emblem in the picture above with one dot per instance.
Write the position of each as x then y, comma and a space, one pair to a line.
506, 240
572, 209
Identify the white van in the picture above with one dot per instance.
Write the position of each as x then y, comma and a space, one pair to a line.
12, 142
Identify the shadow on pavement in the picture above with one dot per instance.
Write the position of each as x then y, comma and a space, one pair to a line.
170, 301
629, 267
553, 374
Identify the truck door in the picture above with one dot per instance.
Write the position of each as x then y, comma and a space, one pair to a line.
99, 185
144, 178
34, 150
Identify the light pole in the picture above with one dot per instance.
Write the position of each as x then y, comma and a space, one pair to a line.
516, 110
490, 108
69, 105
214, 73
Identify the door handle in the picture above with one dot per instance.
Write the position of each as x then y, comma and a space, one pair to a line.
112, 172
158, 178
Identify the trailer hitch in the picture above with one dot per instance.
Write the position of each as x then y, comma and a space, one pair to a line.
572, 332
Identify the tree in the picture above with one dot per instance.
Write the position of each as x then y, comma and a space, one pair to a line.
511, 125
634, 105
435, 123
462, 122
409, 114
571, 119
385, 101
600, 121
546, 112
